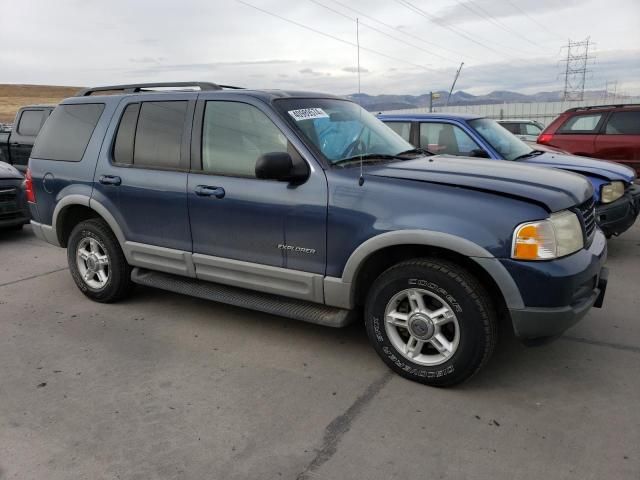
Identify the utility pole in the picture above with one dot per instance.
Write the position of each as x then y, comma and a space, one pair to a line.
576, 68
454, 84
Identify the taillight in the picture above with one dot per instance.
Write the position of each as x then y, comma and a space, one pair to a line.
28, 187
545, 138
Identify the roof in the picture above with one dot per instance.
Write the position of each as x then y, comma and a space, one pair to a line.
515, 120
188, 88
422, 116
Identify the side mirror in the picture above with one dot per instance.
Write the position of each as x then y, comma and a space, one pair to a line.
479, 153
275, 166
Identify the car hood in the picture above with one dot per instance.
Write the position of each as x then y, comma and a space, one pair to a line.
554, 189
7, 171
584, 165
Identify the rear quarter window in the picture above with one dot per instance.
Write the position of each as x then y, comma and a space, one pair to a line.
66, 133
581, 124
29, 124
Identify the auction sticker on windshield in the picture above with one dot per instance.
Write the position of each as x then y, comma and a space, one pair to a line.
308, 114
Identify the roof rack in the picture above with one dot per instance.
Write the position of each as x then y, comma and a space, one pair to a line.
148, 87
595, 107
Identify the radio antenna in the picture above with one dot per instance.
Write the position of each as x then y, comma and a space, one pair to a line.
361, 179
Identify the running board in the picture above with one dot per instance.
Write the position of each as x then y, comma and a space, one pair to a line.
263, 302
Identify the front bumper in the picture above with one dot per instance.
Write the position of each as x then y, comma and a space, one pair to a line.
559, 293
617, 217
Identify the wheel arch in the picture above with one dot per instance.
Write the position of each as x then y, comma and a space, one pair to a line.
377, 254
74, 209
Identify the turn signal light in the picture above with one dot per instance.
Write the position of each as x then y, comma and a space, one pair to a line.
534, 241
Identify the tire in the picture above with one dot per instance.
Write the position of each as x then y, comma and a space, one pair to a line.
431, 321
96, 241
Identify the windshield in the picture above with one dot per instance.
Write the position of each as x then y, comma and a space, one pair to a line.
502, 140
341, 129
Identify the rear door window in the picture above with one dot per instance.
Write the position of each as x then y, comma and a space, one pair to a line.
401, 128
66, 133
531, 129
623, 123
582, 124
446, 139
30, 122
159, 134
151, 134
512, 127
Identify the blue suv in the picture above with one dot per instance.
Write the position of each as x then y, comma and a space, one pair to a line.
616, 195
306, 206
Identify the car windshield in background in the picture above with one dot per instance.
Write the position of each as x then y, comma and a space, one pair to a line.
503, 141
342, 130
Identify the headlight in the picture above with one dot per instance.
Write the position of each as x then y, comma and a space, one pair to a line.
611, 192
557, 236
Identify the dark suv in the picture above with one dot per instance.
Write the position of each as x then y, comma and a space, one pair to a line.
611, 132
305, 205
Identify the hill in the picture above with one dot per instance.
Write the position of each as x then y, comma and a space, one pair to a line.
376, 103
13, 97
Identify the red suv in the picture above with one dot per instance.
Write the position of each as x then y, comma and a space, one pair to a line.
610, 132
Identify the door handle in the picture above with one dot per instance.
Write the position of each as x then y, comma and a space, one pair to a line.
16, 144
110, 180
209, 191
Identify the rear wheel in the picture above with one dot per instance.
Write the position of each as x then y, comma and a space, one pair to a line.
431, 321
97, 263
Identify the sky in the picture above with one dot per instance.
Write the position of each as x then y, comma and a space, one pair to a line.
406, 46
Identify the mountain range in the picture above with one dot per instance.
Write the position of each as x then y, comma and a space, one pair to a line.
375, 103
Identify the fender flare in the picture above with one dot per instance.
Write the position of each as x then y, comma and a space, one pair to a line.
340, 292
85, 201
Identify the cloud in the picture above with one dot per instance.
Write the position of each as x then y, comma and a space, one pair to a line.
355, 70
481, 10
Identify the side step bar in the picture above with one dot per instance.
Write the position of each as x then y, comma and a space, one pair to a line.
263, 302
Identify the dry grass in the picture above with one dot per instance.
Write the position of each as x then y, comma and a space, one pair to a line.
12, 97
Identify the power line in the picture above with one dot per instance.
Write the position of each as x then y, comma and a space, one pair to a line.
482, 13
353, 19
433, 19
328, 35
541, 25
391, 27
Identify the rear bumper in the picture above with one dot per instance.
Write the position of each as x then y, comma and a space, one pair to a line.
617, 217
559, 293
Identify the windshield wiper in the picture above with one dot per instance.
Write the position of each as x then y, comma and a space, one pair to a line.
418, 150
532, 153
368, 158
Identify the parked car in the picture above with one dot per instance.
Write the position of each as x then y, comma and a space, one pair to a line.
610, 132
305, 205
14, 212
616, 196
527, 130
16, 142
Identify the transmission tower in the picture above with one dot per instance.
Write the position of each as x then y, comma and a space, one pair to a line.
577, 63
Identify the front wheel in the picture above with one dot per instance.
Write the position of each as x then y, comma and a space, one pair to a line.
97, 263
431, 321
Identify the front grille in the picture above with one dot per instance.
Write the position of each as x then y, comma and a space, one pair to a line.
588, 214
8, 194
9, 203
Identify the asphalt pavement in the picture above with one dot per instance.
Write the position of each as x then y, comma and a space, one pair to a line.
167, 386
